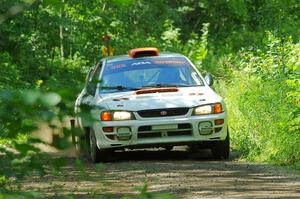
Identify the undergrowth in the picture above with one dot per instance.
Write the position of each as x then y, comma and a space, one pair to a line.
263, 102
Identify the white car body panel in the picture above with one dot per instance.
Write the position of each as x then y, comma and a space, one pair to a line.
189, 97
186, 97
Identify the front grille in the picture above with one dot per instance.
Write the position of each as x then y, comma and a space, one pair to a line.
149, 135
179, 133
184, 129
184, 126
163, 112
144, 128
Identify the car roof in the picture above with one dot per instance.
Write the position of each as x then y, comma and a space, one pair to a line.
127, 57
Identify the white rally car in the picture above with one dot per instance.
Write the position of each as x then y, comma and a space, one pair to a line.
149, 99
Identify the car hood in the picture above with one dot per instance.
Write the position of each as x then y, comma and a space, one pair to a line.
184, 97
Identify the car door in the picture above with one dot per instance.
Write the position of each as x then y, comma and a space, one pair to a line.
86, 97
83, 92
91, 85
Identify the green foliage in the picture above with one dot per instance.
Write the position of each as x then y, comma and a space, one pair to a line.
27, 195
171, 35
196, 49
10, 75
264, 113
47, 47
20, 114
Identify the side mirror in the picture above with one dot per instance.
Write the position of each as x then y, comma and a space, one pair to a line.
209, 79
91, 88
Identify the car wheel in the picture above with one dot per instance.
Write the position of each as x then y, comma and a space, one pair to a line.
221, 149
78, 140
96, 155
72, 124
80, 144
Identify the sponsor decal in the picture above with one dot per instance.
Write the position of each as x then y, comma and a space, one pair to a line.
140, 63
177, 62
118, 66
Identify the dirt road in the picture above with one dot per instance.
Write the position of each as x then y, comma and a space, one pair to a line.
176, 172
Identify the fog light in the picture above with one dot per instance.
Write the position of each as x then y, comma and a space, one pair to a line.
124, 133
205, 128
219, 122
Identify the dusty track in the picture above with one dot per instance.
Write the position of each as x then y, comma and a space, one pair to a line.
175, 172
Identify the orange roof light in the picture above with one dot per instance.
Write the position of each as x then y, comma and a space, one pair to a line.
143, 52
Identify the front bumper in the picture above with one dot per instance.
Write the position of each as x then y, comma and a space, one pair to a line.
161, 131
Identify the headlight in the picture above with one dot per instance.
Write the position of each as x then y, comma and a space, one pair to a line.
116, 115
204, 110
208, 109
121, 115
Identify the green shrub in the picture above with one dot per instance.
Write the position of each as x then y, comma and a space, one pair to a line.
10, 76
263, 102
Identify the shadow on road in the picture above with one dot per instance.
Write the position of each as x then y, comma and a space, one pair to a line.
161, 154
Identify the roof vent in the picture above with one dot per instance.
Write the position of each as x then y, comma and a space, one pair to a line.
143, 52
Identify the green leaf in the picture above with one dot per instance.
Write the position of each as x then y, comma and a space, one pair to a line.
123, 2
50, 99
30, 97
24, 148
56, 4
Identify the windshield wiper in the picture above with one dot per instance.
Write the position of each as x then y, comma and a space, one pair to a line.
120, 88
166, 85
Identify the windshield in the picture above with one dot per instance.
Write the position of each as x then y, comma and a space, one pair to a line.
148, 72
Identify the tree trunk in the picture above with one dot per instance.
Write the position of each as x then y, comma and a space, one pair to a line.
61, 36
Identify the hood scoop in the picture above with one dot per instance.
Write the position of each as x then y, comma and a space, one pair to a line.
156, 90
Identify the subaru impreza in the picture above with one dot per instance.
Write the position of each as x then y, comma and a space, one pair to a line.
149, 99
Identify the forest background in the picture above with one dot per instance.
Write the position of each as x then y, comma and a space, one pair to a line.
251, 47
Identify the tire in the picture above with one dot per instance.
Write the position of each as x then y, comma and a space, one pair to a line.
78, 137
72, 124
80, 144
194, 148
96, 155
221, 149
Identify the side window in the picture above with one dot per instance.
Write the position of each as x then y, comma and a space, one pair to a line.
93, 79
89, 75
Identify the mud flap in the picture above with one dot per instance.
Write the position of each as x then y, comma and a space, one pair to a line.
72, 123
